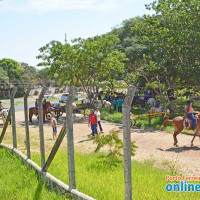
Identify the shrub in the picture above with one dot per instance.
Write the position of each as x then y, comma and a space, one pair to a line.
114, 144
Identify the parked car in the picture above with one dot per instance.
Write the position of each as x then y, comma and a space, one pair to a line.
64, 98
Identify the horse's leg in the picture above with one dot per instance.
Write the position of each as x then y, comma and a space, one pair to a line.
195, 134
176, 132
44, 117
30, 117
193, 138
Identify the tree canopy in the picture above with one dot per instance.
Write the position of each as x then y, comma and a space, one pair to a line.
164, 47
160, 49
86, 62
12, 68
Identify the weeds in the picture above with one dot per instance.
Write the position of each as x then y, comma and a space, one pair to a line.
115, 146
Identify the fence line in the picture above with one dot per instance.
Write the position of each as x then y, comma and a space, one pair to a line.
41, 130
70, 137
54, 183
12, 103
27, 122
68, 127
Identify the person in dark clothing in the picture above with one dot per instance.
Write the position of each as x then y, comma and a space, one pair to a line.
36, 104
44, 103
99, 96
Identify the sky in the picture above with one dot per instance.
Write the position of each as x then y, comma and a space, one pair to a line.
27, 25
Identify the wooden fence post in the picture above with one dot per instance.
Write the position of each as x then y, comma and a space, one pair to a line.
12, 103
127, 142
41, 130
55, 148
70, 138
5, 126
27, 122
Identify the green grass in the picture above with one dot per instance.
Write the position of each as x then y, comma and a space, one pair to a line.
114, 116
100, 181
17, 182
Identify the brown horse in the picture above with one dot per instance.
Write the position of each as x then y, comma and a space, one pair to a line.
178, 123
34, 111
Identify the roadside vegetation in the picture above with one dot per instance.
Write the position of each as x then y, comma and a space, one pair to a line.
104, 181
17, 182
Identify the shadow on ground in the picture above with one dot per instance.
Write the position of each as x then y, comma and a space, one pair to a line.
180, 149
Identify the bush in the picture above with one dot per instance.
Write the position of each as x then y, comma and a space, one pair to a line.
114, 144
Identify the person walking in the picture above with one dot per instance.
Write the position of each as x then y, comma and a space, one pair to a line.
54, 125
119, 104
98, 114
93, 122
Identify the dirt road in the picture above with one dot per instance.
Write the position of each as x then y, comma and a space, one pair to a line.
155, 146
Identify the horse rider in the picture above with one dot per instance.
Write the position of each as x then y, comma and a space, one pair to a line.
36, 104
44, 103
190, 113
1, 106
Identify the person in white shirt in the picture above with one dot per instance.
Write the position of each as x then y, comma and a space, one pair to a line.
54, 125
98, 114
152, 102
87, 100
107, 105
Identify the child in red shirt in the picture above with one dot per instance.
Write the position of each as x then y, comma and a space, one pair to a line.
93, 122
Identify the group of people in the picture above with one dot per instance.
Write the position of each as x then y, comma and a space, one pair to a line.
118, 103
37, 103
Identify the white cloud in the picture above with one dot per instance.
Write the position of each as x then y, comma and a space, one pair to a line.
52, 5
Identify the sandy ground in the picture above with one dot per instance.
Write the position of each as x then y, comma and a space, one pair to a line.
154, 146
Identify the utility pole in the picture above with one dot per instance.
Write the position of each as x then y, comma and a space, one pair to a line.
65, 38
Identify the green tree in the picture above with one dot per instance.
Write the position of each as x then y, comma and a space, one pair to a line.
85, 63
30, 74
13, 70
4, 79
163, 48
15, 73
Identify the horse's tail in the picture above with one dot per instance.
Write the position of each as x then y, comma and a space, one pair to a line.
167, 122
